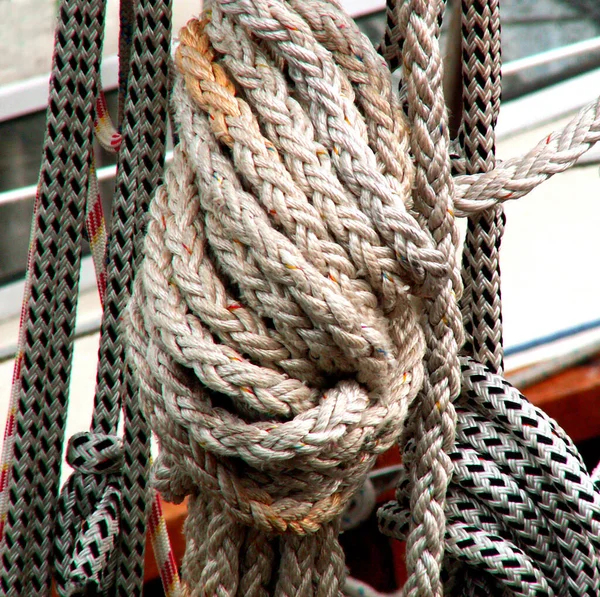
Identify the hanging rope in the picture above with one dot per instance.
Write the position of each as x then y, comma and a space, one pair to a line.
42, 370
99, 535
481, 302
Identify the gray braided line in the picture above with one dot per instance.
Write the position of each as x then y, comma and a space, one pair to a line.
49, 318
578, 554
521, 505
481, 301
96, 460
521, 514
95, 545
145, 130
140, 168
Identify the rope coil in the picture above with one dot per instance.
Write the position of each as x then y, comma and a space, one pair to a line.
278, 257
296, 314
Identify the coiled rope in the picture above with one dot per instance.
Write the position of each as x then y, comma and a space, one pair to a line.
300, 286
278, 259
523, 513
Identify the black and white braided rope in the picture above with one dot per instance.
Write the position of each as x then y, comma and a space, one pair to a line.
49, 317
481, 60
86, 538
95, 544
522, 509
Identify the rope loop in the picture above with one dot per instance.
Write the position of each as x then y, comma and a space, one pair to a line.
93, 556
514, 469
95, 453
88, 515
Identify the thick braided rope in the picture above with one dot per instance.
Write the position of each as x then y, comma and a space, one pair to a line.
339, 130
521, 506
42, 374
481, 302
164, 350
431, 423
433, 190
176, 318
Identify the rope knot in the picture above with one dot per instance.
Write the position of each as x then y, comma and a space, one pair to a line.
287, 476
95, 453
89, 513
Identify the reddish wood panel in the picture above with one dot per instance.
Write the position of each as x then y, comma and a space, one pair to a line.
573, 399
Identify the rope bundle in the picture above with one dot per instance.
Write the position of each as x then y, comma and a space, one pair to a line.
297, 312
271, 328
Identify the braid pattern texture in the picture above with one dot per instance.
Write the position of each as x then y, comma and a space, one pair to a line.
272, 331
297, 311
90, 536
481, 302
523, 513
42, 371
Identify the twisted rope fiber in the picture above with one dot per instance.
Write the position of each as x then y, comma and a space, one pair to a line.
521, 505
515, 177
307, 299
